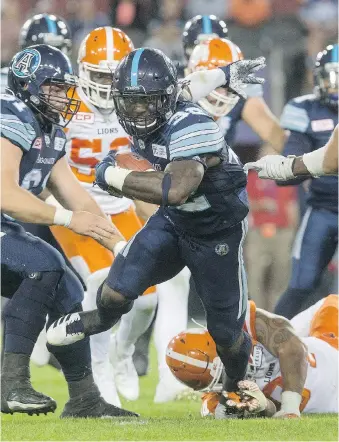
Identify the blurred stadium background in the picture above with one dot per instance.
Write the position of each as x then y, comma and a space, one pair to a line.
289, 33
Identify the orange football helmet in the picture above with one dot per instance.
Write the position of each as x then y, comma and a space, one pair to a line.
211, 54
99, 54
192, 358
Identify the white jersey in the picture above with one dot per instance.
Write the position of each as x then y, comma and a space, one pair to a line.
320, 394
90, 137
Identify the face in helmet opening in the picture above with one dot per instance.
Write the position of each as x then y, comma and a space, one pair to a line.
56, 102
96, 83
141, 115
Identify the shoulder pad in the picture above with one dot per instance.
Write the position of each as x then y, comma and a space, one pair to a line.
18, 124
295, 115
193, 132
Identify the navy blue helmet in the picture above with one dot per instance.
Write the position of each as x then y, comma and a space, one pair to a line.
145, 89
41, 76
46, 29
326, 76
199, 28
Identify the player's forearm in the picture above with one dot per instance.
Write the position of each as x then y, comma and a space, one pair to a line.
202, 83
145, 210
293, 364
23, 206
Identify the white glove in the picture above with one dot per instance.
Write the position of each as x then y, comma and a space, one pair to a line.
273, 167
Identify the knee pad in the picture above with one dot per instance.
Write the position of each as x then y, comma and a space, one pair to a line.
26, 312
114, 308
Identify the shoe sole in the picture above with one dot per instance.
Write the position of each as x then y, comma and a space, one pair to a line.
30, 409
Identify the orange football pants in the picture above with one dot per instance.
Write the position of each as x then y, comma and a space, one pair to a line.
94, 254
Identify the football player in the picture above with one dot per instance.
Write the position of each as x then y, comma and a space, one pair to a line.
34, 275
293, 363
201, 188
311, 120
91, 134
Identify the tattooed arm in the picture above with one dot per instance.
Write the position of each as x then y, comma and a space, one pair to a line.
279, 338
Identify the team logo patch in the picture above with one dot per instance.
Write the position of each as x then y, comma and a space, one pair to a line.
322, 125
37, 143
26, 63
222, 249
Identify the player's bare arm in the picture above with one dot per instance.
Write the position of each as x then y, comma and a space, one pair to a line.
16, 201
67, 190
183, 178
259, 117
278, 336
145, 210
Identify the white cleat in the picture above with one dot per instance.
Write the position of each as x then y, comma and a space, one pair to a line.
169, 389
104, 378
66, 330
40, 355
125, 374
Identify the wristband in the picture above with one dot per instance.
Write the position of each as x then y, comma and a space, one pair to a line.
62, 217
290, 402
314, 161
115, 176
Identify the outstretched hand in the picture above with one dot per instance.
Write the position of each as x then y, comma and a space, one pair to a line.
241, 73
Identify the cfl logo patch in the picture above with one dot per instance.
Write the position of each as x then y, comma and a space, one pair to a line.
222, 249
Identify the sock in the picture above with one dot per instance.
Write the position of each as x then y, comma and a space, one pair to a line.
171, 315
99, 342
291, 302
235, 361
134, 323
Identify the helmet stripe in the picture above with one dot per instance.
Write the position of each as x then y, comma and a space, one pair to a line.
109, 43
206, 25
335, 54
51, 24
187, 359
135, 65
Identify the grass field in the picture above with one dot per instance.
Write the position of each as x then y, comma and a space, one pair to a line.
178, 420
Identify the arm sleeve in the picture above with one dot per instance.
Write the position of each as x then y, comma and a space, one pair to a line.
16, 123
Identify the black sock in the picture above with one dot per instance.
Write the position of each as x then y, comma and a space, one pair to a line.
235, 362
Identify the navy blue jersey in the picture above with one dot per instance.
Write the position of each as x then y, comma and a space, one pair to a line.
40, 150
220, 200
311, 124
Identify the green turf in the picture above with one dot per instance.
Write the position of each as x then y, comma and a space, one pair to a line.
178, 420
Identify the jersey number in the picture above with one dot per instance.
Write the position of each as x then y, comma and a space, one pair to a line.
33, 179
79, 147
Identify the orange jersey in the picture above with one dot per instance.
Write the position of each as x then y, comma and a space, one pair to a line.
90, 136
320, 393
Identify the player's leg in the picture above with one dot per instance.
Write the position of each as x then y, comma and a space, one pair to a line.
45, 286
93, 262
313, 249
133, 324
151, 257
219, 274
171, 319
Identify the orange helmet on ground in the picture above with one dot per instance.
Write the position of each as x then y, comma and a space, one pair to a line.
192, 357
211, 54
99, 54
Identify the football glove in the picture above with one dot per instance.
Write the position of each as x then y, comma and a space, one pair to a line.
273, 167
241, 73
100, 169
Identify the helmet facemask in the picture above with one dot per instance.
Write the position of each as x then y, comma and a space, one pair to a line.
219, 102
96, 81
55, 100
141, 114
327, 84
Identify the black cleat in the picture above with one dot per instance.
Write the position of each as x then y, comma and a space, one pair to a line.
24, 399
88, 407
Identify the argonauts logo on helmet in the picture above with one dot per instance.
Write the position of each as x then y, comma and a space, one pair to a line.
26, 63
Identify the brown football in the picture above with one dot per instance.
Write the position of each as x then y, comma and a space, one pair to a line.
132, 161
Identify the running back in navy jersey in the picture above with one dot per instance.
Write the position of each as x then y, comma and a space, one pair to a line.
311, 124
40, 150
220, 200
